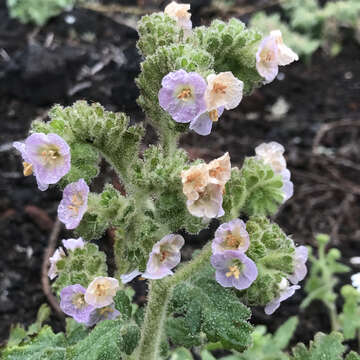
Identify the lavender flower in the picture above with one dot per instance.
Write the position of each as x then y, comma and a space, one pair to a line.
272, 154
301, 255
58, 255
182, 95
126, 278
234, 269
105, 313
73, 204
164, 256
72, 244
72, 303
101, 291
47, 156
231, 236
286, 291
202, 124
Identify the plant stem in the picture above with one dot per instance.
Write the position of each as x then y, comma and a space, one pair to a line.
160, 292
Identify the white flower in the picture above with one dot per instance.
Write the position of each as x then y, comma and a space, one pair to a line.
355, 279
101, 291
223, 89
220, 170
194, 180
272, 154
179, 12
72, 244
58, 255
285, 55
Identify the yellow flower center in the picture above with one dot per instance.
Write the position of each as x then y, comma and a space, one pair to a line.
232, 241
214, 115
219, 88
233, 271
78, 300
100, 290
106, 310
185, 94
50, 155
267, 55
28, 168
76, 202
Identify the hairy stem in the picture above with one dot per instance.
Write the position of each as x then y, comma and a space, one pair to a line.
160, 292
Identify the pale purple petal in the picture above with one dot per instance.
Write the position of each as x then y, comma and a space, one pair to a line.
58, 255
126, 278
273, 305
105, 313
301, 255
73, 204
72, 244
72, 303
164, 256
231, 236
267, 58
202, 124
183, 109
234, 269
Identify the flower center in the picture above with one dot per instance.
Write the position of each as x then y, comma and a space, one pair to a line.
233, 271
185, 94
267, 56
232, 241
214, 115
219, 88
105, 311
100, 290
28, 168
78, 301
50, 155
76, 202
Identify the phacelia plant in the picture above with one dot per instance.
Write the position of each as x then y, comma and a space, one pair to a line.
188, 78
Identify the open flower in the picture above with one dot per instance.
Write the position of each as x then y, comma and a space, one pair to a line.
72, 244
73, 204
182, 95
165, 255
104, 313
220, 170
58, 255
126, 278
272, 155
231, 236
72, 303
285, 56
355, 280
271, 53
234, 269
101, 291
286, 291
194, 180
47, 156
202, 124
301, 255
223, 90
209, 203
179, 12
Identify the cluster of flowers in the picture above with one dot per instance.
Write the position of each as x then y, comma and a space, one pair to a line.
87, 306
48, 157
234, 269
188, 98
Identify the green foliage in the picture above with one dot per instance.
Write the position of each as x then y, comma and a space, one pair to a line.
37, 12
321, 282
123, 304
207, 307
233, 48
80, 266
267, 346
157, 30
350, 316
327, 347
254, 190
272, 251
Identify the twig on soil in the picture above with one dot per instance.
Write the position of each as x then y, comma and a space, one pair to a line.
45, 283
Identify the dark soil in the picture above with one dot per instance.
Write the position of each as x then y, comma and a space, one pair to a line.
95, 59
